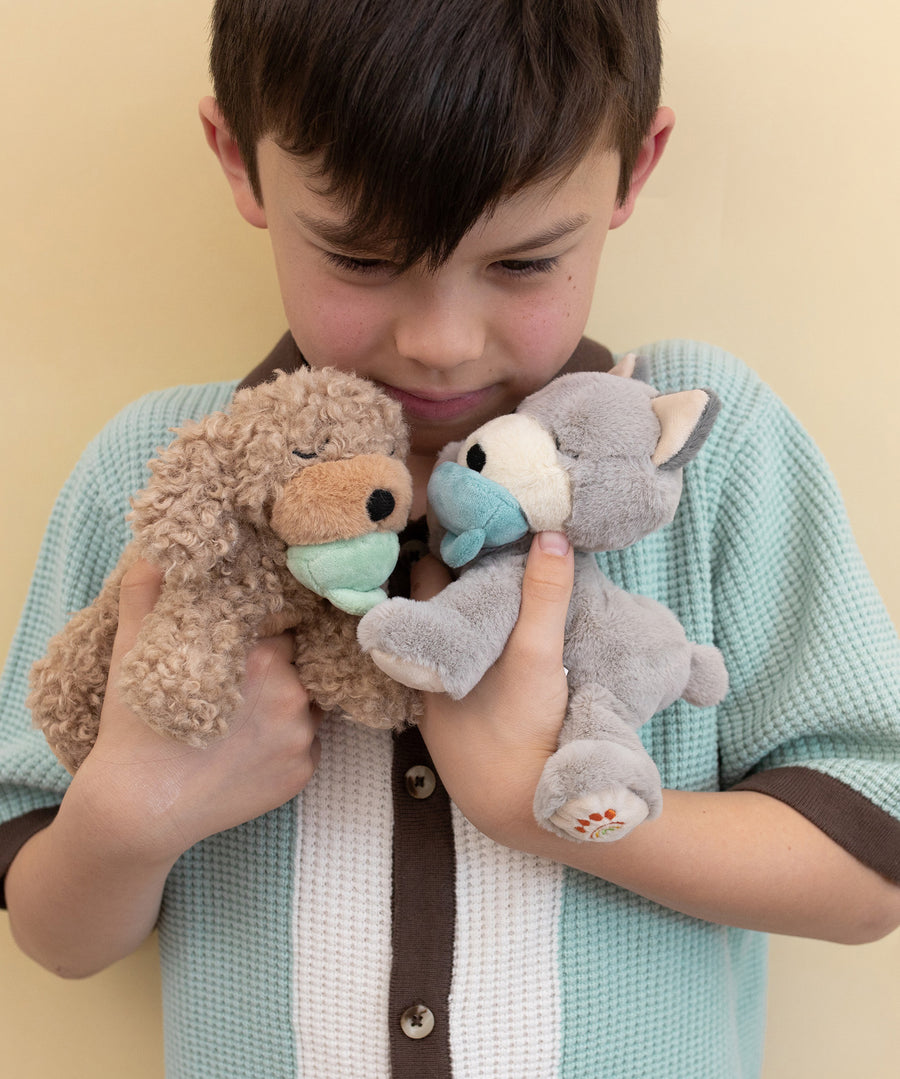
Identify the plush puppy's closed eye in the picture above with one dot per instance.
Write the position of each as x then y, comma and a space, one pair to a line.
310, 455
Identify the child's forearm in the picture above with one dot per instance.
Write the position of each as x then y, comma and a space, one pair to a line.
738, 858
75, 905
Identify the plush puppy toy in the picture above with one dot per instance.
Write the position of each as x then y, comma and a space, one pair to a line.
598, 456
255, 514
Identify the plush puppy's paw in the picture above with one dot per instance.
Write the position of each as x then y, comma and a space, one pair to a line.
597, 790
424, 645
601, 817
406, 672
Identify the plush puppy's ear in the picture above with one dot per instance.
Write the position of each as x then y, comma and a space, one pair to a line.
185, 516
685, 420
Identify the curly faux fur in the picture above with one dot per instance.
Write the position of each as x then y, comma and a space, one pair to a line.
294, 461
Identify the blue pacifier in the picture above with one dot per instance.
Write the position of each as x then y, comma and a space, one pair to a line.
475, 512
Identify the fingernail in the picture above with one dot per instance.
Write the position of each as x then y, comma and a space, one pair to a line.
553, 543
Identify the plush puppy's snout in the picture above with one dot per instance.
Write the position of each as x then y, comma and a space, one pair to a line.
519, 454
335, 500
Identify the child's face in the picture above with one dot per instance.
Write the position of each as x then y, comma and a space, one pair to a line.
461, 344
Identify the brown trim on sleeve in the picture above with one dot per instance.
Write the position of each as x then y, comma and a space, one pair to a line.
863, 829
14, 834
424, 913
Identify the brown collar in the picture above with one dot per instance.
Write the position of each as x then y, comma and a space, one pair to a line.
285, 356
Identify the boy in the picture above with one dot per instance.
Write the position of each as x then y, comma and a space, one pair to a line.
457, 270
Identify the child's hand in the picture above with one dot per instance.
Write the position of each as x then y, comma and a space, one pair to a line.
86, 890
162, 795
491, 746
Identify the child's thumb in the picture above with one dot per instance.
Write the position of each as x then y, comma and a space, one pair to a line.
138, 593
546, 591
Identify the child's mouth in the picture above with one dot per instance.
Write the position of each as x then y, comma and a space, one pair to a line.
437, 407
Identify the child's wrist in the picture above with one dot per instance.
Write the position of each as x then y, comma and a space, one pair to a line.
115, 831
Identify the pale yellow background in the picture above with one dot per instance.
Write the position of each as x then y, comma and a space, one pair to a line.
772, 228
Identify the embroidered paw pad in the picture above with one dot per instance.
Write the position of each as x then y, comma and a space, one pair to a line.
599, 825
602, 817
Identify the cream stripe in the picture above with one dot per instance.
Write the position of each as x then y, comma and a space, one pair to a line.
504, 1000
342, 904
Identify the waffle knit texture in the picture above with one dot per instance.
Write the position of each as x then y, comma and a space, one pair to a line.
275, 936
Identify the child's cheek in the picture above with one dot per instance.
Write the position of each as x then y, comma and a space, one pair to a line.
330, 329
551, 323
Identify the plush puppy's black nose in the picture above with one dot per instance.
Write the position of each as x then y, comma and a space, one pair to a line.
475, 458
380, 504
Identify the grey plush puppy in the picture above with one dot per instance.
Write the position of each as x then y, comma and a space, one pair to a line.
598, 456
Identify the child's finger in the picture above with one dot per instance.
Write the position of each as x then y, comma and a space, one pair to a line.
428, 577
546, 591
138, 593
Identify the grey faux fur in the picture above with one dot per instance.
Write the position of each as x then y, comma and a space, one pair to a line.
608, 451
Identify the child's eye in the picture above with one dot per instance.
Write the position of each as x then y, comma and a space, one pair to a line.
356, 265
528, 267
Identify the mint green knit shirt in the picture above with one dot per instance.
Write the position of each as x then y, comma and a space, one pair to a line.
275, 936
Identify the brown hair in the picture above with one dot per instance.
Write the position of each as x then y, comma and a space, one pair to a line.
423, 114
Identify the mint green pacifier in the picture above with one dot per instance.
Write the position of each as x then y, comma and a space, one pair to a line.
348, 572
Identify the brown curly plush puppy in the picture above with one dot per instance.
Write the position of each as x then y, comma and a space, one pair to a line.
294, 461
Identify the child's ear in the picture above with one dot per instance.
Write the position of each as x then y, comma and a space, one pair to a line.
223, 145
651, 151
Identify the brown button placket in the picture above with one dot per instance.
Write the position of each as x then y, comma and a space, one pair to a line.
424, 907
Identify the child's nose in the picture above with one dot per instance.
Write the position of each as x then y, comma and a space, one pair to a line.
443, 333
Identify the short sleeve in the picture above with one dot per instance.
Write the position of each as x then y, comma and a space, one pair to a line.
86, 533
813, 712
85, 536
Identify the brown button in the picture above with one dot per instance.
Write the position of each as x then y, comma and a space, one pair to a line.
420, 781
417, 1022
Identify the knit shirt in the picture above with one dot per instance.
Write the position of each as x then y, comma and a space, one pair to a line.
276, 937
